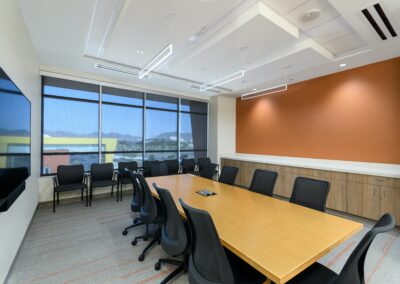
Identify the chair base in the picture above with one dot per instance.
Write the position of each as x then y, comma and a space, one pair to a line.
182, 266
154, 241
136, 223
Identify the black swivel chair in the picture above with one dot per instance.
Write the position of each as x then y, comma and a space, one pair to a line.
208, 171
353, 270
147, 165
69, 178
188, 166
123, 176
209, 262
205, 164
173, 167
159, 169
174, 235
311, 193
136, 202
263, 182
228, 175
101, 175
151, 212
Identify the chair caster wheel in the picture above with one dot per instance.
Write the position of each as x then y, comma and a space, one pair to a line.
157, 266
141, 257
124, 233
134, 242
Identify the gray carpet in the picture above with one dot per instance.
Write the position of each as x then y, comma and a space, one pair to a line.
85, 245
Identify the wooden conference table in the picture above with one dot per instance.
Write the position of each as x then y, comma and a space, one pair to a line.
277, 238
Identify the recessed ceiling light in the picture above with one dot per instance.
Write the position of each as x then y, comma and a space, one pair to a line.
255, 89
343, 65
140, 51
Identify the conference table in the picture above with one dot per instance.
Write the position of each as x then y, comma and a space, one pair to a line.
278, 238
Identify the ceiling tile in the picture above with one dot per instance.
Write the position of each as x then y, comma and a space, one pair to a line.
283, 6
345, 44
327, 13
330, 30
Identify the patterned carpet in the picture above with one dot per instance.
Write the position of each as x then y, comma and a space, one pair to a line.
85, 245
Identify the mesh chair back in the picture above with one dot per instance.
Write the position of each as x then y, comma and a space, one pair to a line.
148, 211
353, 270
159, 169
311, 193
131, 166
173, 166
208, 171
228, 175
70, 174
147, 165
203, 163
174, 237
188, 165
208, 262
263, 182
137, 196
102, 171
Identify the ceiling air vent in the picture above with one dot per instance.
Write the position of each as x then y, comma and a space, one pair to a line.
379, 20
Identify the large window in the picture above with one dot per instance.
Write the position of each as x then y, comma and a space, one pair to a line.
87, 123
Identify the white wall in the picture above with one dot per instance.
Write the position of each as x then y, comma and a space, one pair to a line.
18, 60
222, 127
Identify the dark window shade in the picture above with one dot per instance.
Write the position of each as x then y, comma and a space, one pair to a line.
121, 96
194, 106
162, 102
193, 134
70, 89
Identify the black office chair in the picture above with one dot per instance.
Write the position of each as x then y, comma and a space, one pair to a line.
263, 182
174, 235
353, 270
147, 165
136, 202
205, 164
101, 175
228, 175
209, 263
159, 169
188, 166
173, 166
151, 212
69, 178
208, 171
123, 176
311, 193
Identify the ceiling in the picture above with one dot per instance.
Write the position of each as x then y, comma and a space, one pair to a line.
272, 40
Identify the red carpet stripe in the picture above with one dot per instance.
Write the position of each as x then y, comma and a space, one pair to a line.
340, 254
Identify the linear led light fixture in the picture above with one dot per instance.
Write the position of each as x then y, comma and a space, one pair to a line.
119, 70
157, 60
268, 91
234, 76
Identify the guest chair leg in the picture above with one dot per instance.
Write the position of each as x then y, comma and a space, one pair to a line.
112, 191
54, 201
82, 194
58, 197
87, 191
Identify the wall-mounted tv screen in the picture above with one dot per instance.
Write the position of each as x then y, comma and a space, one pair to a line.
15, 141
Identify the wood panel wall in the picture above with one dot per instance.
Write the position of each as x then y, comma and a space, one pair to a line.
352, 115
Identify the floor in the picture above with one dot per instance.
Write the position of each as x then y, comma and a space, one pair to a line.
85, 245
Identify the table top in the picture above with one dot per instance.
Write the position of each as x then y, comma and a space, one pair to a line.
278, 238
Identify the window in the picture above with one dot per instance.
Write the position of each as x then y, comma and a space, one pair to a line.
193, 129
122, 126
134, 125
70, 124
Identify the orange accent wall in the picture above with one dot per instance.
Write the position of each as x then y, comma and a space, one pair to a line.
352, 115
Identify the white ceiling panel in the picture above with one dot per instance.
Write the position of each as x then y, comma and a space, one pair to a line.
330, 30
345, 44
327, 13
284, 6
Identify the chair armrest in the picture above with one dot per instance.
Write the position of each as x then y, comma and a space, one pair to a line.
180, 170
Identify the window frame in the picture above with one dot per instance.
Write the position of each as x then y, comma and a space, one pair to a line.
144, 107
